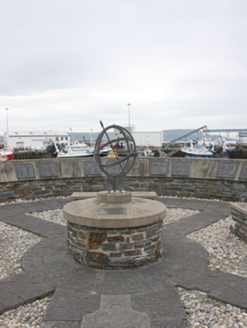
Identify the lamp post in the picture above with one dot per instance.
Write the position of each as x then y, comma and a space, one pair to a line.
129, 114
7, 119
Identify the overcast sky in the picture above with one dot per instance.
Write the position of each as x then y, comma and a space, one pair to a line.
70, 63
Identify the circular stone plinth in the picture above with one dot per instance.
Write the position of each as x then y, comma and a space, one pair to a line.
121, 235
94, 213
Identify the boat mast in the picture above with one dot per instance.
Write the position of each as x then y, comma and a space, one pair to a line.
6, 133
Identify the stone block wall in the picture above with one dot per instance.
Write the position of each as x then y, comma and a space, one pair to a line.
188, 187
115, 248
239, 228
182, 177
198, 188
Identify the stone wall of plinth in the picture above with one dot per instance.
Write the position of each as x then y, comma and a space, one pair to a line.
115, 248
239, 215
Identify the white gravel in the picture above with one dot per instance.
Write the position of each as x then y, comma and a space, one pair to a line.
14, 242
226, 252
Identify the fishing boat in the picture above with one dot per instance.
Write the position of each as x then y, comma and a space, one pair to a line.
78, 147
79, 150
6, 154
2, 159
228, 147
198, 150
75, 150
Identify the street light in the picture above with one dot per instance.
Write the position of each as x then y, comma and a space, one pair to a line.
129, 113
7, 119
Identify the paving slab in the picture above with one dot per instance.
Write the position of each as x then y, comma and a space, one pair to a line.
35, 225
163, 308
63, 202
9, 299
36, 206
11, 210
52, 204
82, 295
231, 289
171, 202
192, 204
26, 287
206, 280
215, 205
60, 324
194, 222
129, 282
68, 305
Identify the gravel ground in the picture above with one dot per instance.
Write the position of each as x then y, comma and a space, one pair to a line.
226, 252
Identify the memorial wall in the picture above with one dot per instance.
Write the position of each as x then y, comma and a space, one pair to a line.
183, 177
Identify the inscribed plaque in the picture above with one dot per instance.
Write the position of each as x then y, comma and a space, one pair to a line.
114, 211
181, 168
90, 168
226, 170
158, 168
24, 171
243, 173
48, 170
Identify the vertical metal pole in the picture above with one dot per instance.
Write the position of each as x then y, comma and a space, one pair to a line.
7, 119
129, 114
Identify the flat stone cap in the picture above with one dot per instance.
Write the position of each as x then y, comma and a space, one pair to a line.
91, 194
136, 213
240, 207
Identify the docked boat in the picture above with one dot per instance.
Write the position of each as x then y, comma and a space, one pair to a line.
198, 150
74, 151
6, 152
228, 147
79, 150
6, 155
2, 159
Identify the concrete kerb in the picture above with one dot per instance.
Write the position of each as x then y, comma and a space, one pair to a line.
148, 291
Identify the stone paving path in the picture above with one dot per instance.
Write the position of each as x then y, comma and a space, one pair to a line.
144, 297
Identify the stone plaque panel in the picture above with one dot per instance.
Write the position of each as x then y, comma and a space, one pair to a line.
24, 171
181, 168
114, 211
226, 170
243, 173
90, 168
47, 170
158, 168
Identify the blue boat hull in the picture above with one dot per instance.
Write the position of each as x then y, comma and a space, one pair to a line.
198, 155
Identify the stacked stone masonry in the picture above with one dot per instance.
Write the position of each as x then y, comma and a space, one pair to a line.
120, 248
239, 227
198, 188
201, 178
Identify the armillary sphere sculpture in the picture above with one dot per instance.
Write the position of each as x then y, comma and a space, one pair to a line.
117, 167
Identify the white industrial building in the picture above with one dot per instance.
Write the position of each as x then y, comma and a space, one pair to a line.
37, 140
148, 138
144, 138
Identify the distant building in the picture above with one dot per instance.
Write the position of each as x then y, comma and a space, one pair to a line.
37, 140
144, 138
148, 138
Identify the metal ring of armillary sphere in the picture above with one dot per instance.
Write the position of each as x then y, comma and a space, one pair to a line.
117, 167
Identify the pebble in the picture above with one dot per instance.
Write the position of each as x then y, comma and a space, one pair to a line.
226, 252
